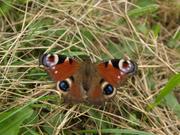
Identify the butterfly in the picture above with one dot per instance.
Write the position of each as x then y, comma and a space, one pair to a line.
86, 81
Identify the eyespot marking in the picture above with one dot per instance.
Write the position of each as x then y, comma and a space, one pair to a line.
64, 85
108, 90
49, 60
103, 85
126, 66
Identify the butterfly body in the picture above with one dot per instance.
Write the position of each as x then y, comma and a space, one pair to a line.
86, 81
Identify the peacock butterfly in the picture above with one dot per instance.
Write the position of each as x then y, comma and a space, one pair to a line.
86, 81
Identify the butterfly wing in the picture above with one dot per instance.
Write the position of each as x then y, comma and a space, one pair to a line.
116, 70
61, 69
112, 73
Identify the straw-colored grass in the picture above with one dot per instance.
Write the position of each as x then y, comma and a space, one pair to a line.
146, 31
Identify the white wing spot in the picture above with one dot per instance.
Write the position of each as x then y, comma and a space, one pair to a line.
53, 67
119, 77
121, 73
56, 72
67, 59
109, 62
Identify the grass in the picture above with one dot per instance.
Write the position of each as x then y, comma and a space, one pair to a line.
146, 31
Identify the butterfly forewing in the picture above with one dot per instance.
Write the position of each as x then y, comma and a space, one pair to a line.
58, 66
116, 70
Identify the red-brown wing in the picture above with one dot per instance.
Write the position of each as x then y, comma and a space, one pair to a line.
75, 95
116, 70
96, 96
59, 67
111, 73
62, 69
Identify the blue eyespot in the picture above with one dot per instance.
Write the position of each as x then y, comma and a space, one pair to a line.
64, 85
108, 89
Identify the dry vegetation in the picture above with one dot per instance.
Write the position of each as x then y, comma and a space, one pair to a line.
100, 29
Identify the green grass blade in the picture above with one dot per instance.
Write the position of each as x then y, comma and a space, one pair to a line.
140, 11
116, 131
172, 103
172, 83
143, 10
5, 7
11, 125
2, 119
